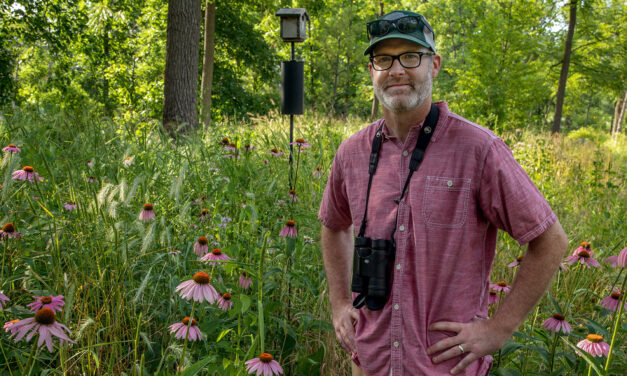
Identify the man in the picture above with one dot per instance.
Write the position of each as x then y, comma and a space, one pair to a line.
444, 222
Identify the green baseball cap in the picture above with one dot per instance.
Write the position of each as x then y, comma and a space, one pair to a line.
401, 24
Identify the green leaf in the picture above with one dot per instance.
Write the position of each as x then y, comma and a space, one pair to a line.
245, 301
198, 366
587, 357
224, 332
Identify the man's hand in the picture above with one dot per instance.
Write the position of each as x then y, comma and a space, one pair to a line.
477, 339
344, 319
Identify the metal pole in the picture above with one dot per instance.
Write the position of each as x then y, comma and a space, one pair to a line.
291, 134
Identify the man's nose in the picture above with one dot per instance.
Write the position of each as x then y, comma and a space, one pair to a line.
396, 68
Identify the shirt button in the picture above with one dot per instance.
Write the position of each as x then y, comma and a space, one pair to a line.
396, 306
449, 183
402, 228
405, 153
395, 344
398, 266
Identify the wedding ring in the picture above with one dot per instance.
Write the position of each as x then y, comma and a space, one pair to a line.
461, 348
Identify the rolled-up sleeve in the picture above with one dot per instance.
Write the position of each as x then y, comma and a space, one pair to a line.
334, 210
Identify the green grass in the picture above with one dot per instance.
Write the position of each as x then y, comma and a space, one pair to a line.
119, 280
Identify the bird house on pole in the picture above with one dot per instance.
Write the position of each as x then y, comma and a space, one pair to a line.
293, 24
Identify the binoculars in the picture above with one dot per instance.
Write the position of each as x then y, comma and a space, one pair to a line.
372, 264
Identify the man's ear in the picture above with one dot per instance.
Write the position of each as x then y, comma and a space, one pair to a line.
436, 61
370, 70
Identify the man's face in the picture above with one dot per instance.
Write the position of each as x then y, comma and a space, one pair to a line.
403, 89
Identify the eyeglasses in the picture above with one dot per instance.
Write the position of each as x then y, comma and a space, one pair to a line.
407, 60
405, 25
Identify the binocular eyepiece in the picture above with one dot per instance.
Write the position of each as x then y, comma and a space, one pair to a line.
372, 264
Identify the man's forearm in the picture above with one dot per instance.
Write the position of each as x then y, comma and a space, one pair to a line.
337, 248
533, 278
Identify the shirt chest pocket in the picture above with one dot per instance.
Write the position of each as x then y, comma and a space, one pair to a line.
445, 201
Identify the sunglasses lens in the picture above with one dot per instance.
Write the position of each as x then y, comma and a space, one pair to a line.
379, 28
407, 24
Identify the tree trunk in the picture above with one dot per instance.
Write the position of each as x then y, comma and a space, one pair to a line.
374, 112
181, 67
561, 88
619, 114
207, 61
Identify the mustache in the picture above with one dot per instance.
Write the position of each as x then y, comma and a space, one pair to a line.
391, 82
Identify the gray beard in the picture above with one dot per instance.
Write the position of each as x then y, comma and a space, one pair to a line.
399, 104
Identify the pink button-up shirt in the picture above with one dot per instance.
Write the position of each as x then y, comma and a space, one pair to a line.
468, 186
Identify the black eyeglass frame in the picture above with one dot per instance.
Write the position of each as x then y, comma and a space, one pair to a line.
395, 23
398, 57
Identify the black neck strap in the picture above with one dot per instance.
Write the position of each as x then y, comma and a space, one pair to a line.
427, 130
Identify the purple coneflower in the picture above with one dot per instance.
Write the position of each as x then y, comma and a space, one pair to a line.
174, 252
198, 288
621, 261
231, 146
216, 254
265, 161
204, 214
583, 255
289, 231
26, 173
91, 179
292, 194
90, 164
516, 262
69, 206
244, 281
201, 246
4, 298
276, 153
225, 141
8, 232
147, 214
264, 365
43, 323
10, 148
9, 324
224, 302
612, 260
180, 329
594, 345
611, 302
317, 172
557, 323
201, 199
300, 143
53, 302
493, 297
129, 161
500, 286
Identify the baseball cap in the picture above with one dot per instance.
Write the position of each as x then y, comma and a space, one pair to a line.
401, 24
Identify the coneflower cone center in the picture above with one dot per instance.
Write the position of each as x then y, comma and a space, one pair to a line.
559, 317
615, 295
520, 258
492, 292
595, 338
202, 240
265, 358
148, 207
226, 296
292, 192
583, 254
216, 251
502, 284
201, 278
45, 316
290, 223
11, 146
186, 321
300, 141
274, 150
204, 212
8, 227
28, 169
46, 300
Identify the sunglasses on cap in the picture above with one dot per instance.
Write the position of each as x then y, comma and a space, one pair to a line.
405, 25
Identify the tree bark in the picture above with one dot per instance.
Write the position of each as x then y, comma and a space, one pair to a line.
181, 67
561, 88
619, 114
207, 61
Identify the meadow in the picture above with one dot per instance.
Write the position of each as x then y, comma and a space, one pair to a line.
86, 232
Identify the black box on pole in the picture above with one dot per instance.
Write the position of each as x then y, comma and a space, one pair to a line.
292, 80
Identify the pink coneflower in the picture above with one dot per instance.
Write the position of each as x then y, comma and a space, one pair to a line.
90, 164
204, 214
69, 206
129, 161
26, 173
174, 252
198, 288
500, 286
3, 298
493, 297
612, 260
263, 365
557, 323
43, 323
300, 143
231, 147
225, 141
53, 302
594, 345
265, 161
292, 194
583, 255
180, 329
201, 246
516, 262
224, 302
289, 230
8, 232
91, 179
621, 261
612, 301
10, 148
9, 324
317, 172
147, 214
244, 281
216, 254
276, 153
201, 199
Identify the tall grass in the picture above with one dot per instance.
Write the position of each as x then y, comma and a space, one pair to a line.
118, 276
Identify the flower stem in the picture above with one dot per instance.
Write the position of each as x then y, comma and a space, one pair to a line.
617, 320
30, 365
262, 333
189, 325
556, 336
